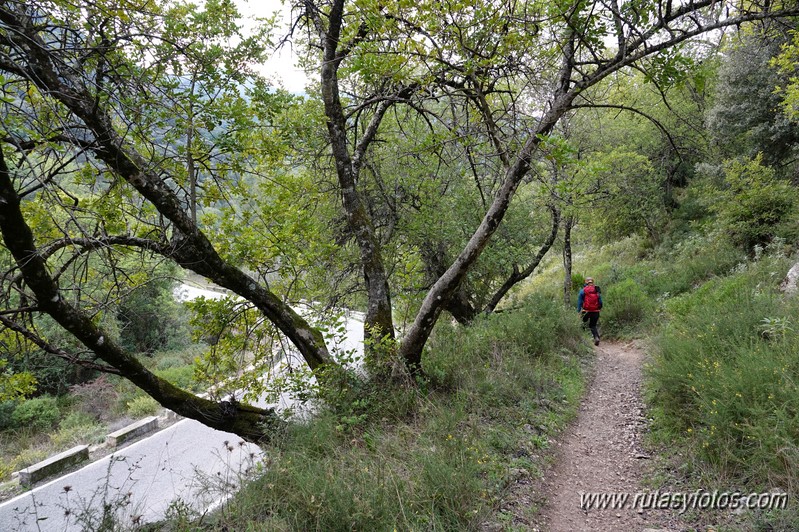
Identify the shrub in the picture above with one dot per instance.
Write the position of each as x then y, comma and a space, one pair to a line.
182, 377
39, 413
143, 406
757, 206
723, 378
6, 414
626, 306
76, 419
96, 398
168, 362
78, 427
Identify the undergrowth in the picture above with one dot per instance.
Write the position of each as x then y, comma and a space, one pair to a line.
723, 384
433, 456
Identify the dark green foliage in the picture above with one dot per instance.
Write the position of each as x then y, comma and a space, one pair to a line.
6, 414
39, 413
746, 118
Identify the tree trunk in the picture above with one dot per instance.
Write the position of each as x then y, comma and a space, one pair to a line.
567, 260
517, 276
419, 331
246, 421
378, 322
434, 257
190, 244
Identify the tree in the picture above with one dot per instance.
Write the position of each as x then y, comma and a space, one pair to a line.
87, 105
747, 117
455, 52
90, 101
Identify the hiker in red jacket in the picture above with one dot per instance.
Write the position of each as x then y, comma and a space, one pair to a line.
589, 303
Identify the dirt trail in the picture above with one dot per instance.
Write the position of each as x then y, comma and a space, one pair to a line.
601, 452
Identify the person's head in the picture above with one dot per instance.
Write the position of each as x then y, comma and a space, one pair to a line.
589, 280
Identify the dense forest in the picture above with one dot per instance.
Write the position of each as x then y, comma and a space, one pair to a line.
449, 160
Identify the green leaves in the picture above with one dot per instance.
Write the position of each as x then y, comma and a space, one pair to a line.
14, 385
756, 207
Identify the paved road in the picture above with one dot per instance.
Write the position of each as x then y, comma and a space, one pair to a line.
186, 464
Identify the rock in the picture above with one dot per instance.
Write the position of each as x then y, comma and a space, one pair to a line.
790, 285
742, 509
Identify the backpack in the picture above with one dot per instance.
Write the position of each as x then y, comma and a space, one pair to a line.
591, 298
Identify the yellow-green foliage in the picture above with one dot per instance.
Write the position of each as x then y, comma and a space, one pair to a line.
142, 406
756, 207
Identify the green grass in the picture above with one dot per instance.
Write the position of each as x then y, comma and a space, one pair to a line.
438, 456
723, 382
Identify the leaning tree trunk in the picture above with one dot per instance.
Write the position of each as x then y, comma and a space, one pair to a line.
567, 260
251, 423
417, 334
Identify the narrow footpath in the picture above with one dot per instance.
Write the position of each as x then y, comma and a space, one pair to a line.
601, 453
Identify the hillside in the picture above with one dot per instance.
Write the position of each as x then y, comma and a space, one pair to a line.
458, 173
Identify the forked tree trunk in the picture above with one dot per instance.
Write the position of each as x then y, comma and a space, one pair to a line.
519, 275
417, 334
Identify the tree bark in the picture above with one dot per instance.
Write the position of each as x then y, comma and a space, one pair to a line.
244, 420
567, 261
435, 263
517, 276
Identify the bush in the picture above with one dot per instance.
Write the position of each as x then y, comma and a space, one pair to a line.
77, 428
626, 306
96, 398
168, 362
143, 406
6, 414
757, 207
182, 377
76, 419
39, 413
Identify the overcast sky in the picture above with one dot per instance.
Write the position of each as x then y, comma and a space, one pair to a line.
280, 67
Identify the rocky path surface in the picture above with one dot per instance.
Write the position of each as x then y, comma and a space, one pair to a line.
601, 453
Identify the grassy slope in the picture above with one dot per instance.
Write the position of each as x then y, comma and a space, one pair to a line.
437, 457
721, 389
722, 382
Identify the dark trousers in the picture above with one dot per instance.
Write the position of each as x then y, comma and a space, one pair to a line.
592, 318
